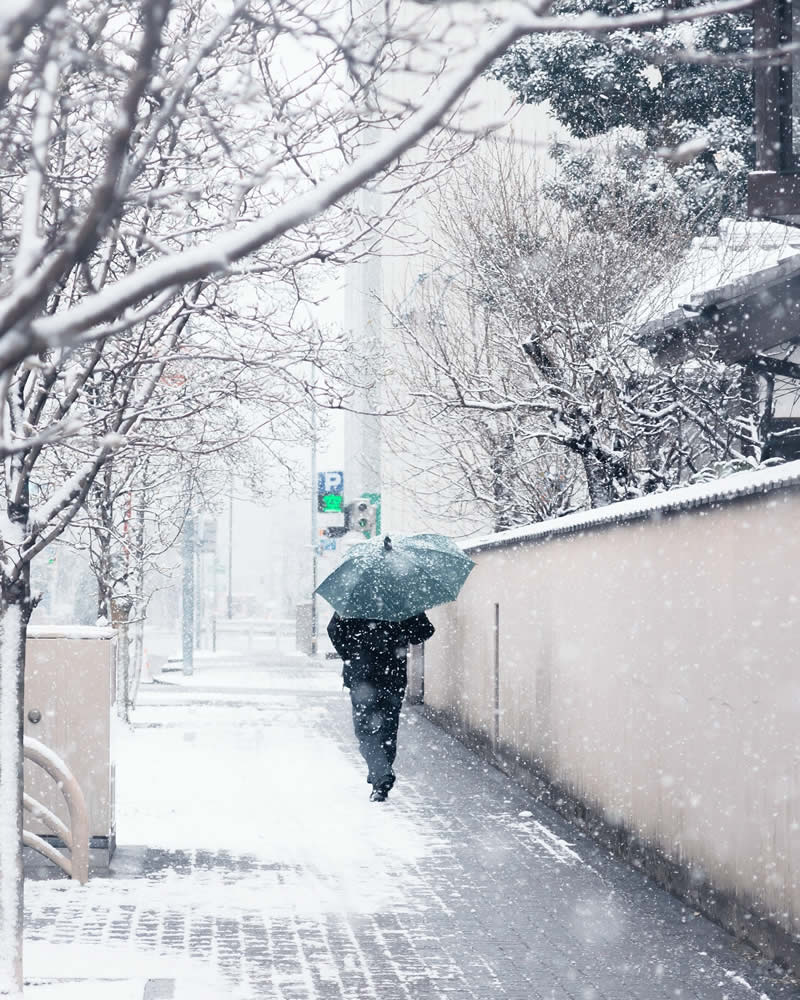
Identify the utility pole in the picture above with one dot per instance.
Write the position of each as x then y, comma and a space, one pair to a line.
199, 581
314, 524
215, 593
188, 594
362, 421
230, 552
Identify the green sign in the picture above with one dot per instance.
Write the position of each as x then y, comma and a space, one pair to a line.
331, 502
375, 500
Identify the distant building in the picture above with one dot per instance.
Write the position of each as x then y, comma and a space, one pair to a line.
385, 280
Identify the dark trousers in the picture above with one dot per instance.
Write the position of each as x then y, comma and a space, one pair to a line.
376, 716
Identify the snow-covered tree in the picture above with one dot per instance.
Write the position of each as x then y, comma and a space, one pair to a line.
646, 84
520, 353
229, 396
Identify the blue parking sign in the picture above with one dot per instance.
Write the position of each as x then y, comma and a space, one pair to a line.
330, 491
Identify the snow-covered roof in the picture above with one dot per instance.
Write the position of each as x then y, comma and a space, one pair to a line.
718, 270
69, 632
739, 484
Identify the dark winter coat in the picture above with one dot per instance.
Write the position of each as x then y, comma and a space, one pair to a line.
375, 651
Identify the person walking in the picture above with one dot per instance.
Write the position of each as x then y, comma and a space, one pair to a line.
374, 655
380, 592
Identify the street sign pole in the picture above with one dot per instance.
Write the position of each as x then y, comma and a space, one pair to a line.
314, 526
230, 551
188, 595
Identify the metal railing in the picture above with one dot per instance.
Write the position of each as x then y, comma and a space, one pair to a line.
76, 836
249, 634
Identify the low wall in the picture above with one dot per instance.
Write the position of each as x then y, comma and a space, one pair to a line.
638, 667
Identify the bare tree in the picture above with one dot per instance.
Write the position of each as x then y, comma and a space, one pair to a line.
82, 424
520, 336
214, 404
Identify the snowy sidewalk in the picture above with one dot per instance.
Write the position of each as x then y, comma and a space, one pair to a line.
252, 865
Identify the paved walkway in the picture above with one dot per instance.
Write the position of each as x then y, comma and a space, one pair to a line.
252, 865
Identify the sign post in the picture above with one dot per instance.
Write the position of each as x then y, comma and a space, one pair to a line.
314, 484
329, 500
187, 636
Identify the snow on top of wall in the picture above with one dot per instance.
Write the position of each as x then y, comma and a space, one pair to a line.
719, 269
739, 484
69, 632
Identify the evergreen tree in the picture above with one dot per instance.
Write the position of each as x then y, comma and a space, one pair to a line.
637, 83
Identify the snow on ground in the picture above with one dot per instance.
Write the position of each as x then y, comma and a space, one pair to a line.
262, 791
103, 972
546, 840
106, 989
248, 776
236, 675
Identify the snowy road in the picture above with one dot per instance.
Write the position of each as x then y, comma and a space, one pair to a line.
252, 865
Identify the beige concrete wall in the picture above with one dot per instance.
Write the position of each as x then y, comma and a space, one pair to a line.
69, 679
651, 668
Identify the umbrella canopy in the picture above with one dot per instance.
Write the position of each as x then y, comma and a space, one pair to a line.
394, 579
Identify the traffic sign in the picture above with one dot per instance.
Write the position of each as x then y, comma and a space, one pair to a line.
330, 491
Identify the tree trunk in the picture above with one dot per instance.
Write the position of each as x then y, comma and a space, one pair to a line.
124, 660
104, 534
15, 609
139, 605
104, 599
121, 613
596, 481
15, 612
502, 452
137, 661
761, 421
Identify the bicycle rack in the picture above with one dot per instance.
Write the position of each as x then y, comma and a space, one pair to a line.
76, 836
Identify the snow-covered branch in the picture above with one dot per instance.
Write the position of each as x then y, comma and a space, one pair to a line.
219, 254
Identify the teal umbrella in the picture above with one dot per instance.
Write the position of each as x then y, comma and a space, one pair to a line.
394, 579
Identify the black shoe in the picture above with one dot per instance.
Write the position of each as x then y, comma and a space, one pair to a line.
381, 789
